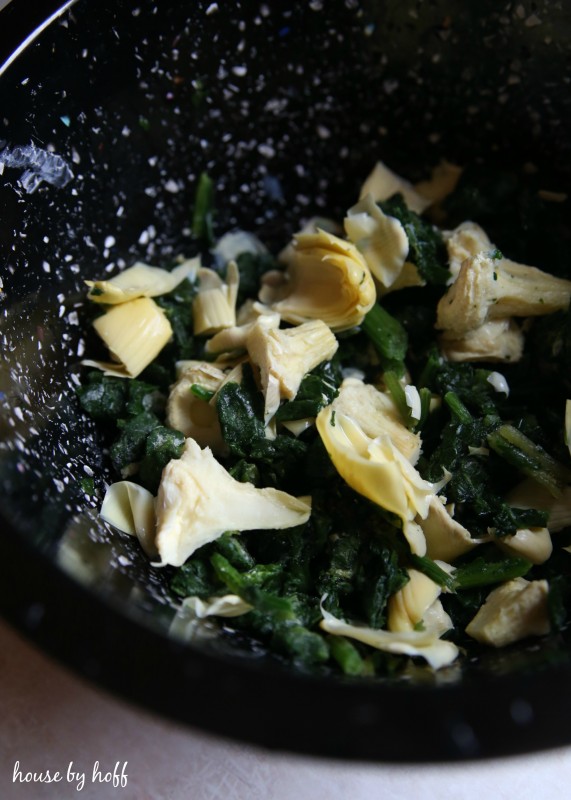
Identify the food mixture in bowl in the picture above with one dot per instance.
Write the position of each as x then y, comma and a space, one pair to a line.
355, 451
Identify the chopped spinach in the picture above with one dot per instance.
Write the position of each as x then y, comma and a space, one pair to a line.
426, 245
241, 415
251, 267
103, 398
130, 446
351, 556
318, 389
161, 446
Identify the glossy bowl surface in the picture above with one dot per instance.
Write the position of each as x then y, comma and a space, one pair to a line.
109, 115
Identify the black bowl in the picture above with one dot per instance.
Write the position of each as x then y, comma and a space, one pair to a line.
116, 108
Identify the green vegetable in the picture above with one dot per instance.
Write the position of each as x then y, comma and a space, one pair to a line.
241, 415
481, 572
203, 214
301, 644
351, 556
379, 576
469, 383
103, 398
515, 448
318, 389
177, 306
130, 446
201, 392
251, 267
426, 245
161, 446
388, 337
431, 569
397, 391
346, 655
231, 546
194, 579
144, 397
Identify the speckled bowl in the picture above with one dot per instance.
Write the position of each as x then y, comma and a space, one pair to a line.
108, 116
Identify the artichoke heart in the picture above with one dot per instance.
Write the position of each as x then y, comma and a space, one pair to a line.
383, 183
466, 240
380, 238
198, 500
376, 469
327, 278
533, 544
376, 413
284, 357
417, 602
135, 332
131, 508
498, 340
446, 539
234, 338
214, 307
513, 611
435, 651
489, 288
192, 415
141, 280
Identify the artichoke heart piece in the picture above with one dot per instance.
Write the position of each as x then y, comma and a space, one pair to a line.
194, 416
198, 501
446, 539
228, 605
533, 544
383, 183
515, 610
376, 413
376, 469
442, 182
284, 357
407, 277
131, 509
417, 606
135, 332
530, 494
490, 288
380, 238
214, 306
234, 338
466, 240
408, 606
141, 280
327, 278
435, 651
498, 340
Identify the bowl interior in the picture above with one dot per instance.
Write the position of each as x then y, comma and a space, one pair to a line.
110, 116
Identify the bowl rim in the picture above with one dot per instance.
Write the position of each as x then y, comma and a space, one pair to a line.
22, 23
236, 697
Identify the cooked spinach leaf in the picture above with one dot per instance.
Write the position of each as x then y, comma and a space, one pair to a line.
426, 245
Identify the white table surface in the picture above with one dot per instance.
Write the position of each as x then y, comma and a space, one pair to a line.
49, 718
